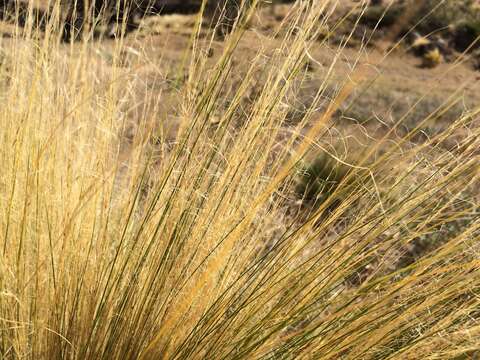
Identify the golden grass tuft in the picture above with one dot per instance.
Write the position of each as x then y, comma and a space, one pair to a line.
148, 247
432, 58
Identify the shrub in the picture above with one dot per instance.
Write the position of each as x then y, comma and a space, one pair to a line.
465, 34
381, 16
319, 179
457, 20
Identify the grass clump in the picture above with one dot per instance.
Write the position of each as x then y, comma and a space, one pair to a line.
319, 180
432, 58
149, 248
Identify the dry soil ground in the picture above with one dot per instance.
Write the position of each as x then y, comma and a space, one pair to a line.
162, 45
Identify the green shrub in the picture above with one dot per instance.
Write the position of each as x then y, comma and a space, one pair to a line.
382, 16
466, 33
462, 16
450, 12
319, 180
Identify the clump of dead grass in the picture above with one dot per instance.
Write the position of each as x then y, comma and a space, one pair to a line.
111, 254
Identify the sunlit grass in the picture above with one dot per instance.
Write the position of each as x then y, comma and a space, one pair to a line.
115, 249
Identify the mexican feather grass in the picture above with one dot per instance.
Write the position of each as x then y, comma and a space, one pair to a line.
116, 250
